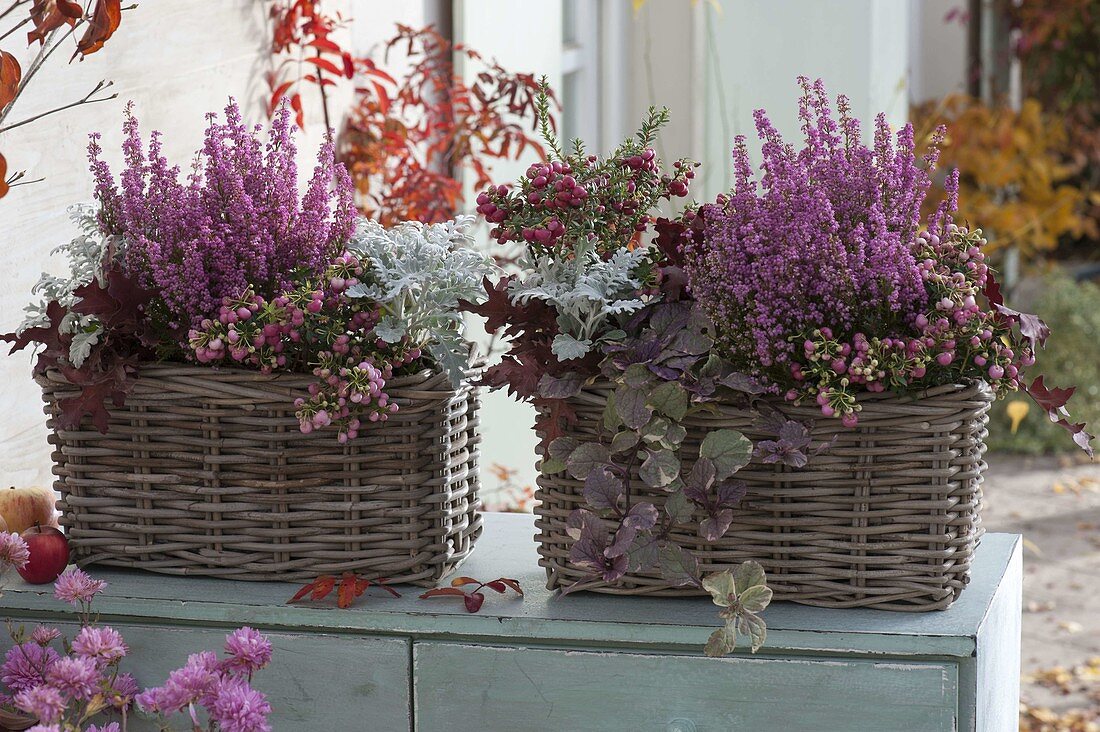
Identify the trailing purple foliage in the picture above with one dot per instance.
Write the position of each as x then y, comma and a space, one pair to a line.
236, 220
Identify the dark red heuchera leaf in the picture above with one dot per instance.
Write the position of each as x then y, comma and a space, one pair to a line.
108, 371
1053, 400
531, 329
474, 599
1031, 326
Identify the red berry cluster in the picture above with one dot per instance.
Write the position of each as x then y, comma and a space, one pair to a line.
583, 197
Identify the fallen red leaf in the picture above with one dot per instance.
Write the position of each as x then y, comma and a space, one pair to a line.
4, 187
442, 591
102, 25
460, 581
473, 601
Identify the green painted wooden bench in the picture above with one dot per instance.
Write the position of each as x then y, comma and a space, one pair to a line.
584, 662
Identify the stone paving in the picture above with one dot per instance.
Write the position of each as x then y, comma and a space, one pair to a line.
1055, 504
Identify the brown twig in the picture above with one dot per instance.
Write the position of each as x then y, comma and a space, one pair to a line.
87, 99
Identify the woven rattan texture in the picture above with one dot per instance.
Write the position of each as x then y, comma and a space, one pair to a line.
205, 472
886, 518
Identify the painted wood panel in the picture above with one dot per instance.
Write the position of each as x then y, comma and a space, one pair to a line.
539, 689
316, 681
507, 549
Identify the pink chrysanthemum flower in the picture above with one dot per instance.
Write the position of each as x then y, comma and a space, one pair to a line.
24, 665
44, 636
13, 550
45, 728
194, 682
109, 727
102, 645
75, 586
75, 677
124, 689
238, 707
248, 650
43, 702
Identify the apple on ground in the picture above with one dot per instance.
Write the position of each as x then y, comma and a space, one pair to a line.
22, 508
49, 554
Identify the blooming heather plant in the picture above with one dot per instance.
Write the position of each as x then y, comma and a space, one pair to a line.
231, 267
235, 222
64, 684
820, 280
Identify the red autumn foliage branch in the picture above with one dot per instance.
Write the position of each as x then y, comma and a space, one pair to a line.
407, 141
305, 50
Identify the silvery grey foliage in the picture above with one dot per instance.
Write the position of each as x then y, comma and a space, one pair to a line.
585, 291
419, 272
87, 253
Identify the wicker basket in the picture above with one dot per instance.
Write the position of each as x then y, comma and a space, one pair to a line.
204, 472
886, 518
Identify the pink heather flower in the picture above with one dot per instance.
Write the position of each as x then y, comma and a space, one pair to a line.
13, 550
43, 702
237, 707
25, 666
75, 586
237, 219
109, 727
44, 636
824, 239
75, 677
102, 645
248, 650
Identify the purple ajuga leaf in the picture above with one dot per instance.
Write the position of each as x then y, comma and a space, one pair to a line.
602, 488
731, 493
715, 526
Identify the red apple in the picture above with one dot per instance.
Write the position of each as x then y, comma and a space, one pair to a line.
22, 508
49, 550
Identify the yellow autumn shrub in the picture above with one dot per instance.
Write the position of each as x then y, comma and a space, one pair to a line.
1012, 178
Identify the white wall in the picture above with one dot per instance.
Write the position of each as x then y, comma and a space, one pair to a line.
523, 37
176, 61
937, 50
757, 48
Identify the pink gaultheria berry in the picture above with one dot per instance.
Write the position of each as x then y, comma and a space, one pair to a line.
996, 372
